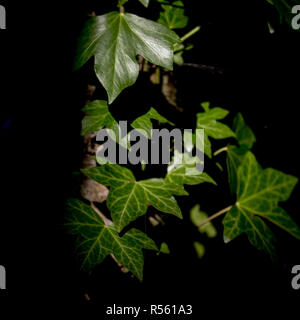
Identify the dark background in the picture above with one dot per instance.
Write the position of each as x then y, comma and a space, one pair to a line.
40, 122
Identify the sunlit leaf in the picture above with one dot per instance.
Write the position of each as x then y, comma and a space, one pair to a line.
115, 39
129, 199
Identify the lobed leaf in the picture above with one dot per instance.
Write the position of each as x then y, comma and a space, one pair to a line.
144, 122
207, 120
258, 194
97, 240
128, 199
173, 17
246, 138
115, 39
97, 116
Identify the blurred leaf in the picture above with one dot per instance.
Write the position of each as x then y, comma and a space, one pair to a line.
200, 249
197, 217
284, 8
145, 2
173, 17
164, 248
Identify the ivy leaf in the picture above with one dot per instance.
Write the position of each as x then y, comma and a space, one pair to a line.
197, 216
208, 121
258, 194
128, 199
284, 8
164, 248
97, 117
173, 17
145, 2
115, 39
244, 134
200, 249
183, 167
235, 155
188, 172
97, 240
160, 196
144, 122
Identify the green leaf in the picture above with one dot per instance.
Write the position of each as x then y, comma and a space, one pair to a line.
160, 196
164, 248
284, 8
128, 199
208, 121
207, 146
183, 167
96, 240
178, 59
144, 122
145, 2
97, 117
173, 17
235, 157
200, 249
244, 134
258, 194
115, 39
197, 217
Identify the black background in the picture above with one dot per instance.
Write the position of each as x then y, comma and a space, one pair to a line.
40, 117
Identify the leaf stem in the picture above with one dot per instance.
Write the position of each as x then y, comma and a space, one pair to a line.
191, 33
106, 221
216, 215
220, 151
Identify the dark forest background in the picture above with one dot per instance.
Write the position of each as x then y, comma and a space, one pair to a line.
40, 101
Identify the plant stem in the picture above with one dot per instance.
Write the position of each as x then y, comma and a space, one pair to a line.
216, 215
191, 33
220, 150
106, 221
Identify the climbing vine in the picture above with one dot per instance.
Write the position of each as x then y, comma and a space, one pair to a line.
123, 45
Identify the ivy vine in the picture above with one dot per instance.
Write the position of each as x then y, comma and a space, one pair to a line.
114, 40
